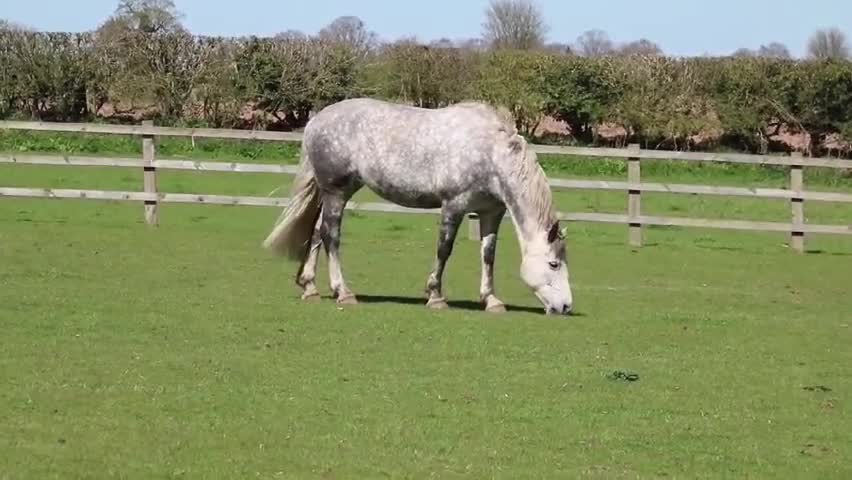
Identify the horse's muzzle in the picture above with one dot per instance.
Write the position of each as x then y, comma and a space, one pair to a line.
565, 310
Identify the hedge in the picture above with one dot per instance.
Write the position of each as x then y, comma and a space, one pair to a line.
740, 103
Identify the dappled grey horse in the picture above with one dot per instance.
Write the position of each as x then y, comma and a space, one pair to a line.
463, 158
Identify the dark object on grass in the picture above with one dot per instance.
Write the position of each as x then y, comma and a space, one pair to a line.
625, 376
817, 388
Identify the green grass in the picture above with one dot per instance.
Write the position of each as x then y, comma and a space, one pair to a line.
172, 147
184, 352
682, 171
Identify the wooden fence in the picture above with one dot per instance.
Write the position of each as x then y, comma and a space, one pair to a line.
796, 228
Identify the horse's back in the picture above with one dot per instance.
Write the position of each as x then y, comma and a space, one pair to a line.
374, 127
409, 155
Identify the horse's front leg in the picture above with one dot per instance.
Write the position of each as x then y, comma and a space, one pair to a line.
489, 224
451, 219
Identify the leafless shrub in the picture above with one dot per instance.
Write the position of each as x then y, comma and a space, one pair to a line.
829, 43
514, 24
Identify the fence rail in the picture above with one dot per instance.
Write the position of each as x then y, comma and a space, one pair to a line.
58, 193
210, 166
633, 187
149, 129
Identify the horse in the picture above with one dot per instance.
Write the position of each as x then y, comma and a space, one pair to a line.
463, 158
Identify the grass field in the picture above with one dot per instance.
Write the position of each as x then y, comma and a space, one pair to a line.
184, 352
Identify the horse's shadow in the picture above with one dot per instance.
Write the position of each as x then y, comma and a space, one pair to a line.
454, 304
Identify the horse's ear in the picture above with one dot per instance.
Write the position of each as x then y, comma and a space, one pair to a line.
554, 233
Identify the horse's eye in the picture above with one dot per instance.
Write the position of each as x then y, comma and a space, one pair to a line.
554, 265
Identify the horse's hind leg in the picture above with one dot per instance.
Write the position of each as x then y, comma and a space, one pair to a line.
451, 219
332, 216
489, 224
306, 278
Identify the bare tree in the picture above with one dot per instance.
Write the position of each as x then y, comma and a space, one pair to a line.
350, 31
642, 47
774, 50
123, 48
830, 43
291, 35
743, 53
514, 24
10, 26
150, 16
594, 43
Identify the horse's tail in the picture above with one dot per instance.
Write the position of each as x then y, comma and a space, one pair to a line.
294, 229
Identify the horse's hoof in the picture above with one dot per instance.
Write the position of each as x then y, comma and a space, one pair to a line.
493, 305
310, 293
496, 308
347, 300
311, 297
438, 304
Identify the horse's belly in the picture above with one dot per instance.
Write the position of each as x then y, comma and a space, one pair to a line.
407, 197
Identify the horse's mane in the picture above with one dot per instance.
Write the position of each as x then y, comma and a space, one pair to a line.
536, 188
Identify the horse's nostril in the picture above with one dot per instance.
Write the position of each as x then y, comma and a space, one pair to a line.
566, 309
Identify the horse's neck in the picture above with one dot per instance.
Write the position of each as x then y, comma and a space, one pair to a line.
528, 201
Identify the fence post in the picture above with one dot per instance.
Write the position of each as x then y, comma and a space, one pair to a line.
797, 204
473, 232
150, 176
634, 195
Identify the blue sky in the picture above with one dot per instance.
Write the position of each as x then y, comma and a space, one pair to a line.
681, 27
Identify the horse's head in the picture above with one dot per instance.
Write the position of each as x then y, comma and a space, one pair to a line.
545, 271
